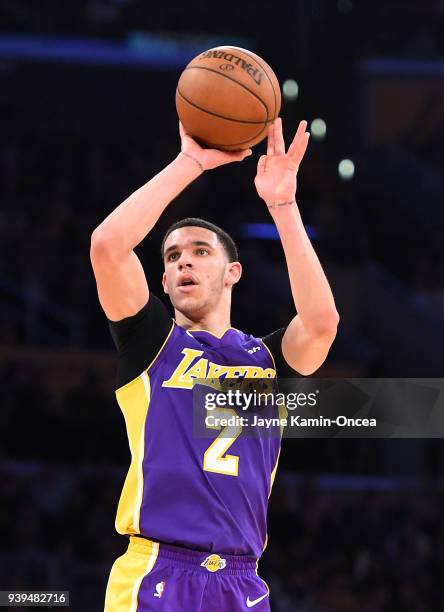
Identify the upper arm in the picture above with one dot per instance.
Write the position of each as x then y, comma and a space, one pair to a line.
273, 342
306, 352
120, 278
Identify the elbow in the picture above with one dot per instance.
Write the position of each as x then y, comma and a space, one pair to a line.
307, 370
102, 244
99, 243
309, 353
327, 325
332, 321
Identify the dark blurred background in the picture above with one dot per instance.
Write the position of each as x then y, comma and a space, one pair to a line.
87, 115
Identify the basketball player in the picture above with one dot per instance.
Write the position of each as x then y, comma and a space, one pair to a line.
195, 510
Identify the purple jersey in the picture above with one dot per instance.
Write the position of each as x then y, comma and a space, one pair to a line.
200, 493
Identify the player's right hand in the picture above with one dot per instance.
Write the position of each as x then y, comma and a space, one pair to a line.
209, 158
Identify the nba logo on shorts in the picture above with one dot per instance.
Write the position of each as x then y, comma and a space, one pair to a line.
160, 587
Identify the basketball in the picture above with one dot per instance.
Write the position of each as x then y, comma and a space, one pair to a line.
227, 97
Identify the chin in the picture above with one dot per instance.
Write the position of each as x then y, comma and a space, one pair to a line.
189, 306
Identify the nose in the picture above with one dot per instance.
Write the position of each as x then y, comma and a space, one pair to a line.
184, 261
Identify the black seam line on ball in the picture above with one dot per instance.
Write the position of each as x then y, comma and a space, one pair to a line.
225, 76
204, 110
230, 144
253, 57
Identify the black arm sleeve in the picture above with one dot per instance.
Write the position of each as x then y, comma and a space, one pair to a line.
139, 338
274, 344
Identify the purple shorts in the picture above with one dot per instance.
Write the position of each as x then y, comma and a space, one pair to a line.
150, 576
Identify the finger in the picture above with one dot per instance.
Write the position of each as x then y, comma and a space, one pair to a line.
270, 141
233, 156
279, 144
182, 130
244, 154
300, 148
299, 136
302, 127
301, 130
261, 163
299, 133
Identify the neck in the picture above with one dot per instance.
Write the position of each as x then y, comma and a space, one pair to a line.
217, 321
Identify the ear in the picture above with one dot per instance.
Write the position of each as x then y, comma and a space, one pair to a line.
233, 273
164, 283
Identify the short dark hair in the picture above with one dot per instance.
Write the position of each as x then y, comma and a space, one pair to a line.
225, 239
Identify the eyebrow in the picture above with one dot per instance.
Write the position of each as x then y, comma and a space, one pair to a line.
174, 247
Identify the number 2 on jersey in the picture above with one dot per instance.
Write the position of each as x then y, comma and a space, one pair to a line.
214, 461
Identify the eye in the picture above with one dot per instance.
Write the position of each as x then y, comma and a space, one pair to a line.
172, 256
202, 251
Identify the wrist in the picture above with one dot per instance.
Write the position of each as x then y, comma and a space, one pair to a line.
276, 204
192, 159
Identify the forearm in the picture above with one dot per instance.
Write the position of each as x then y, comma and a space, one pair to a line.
311, 291
132, 220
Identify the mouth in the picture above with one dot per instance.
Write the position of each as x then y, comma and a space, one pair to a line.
186, 283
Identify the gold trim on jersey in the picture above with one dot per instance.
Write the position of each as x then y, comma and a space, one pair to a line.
134, 401
283, 413
161, 348
273, 473
209, 332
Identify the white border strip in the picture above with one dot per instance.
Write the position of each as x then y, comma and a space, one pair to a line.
151, 561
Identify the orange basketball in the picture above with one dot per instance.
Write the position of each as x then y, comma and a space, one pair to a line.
227, 97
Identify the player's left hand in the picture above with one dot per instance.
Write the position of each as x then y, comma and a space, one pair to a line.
276, 171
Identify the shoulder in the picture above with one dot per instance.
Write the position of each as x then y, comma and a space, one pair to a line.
125, 331
140, 338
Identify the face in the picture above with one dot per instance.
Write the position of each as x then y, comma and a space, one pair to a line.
197, 273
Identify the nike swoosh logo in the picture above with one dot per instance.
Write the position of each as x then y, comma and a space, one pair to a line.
253, 602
